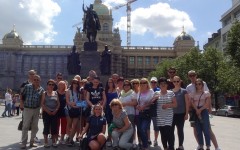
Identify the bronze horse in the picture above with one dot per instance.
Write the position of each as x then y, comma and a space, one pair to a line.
91, 23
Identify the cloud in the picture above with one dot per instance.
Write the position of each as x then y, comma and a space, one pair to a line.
159, 19
33, 19
112, 3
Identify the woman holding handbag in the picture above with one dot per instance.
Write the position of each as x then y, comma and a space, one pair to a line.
144, 99
200, 103
72, 97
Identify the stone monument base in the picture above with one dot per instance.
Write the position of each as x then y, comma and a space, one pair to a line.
90, 46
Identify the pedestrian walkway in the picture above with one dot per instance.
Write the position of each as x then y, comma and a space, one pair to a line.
226, 129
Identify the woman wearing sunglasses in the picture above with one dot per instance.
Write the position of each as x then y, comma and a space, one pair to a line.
50, 105
181, 111
200, 102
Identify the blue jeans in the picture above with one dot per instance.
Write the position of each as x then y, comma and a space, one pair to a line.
143, 125
8, 109
203, 127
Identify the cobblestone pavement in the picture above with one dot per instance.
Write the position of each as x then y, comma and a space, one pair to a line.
226, 130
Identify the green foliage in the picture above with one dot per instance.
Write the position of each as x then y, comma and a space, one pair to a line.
233, 43
228, 77
205, 64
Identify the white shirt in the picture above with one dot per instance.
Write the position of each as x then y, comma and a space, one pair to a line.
8, 98
191, 88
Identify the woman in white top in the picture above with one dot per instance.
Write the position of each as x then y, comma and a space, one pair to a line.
8, 103
144, 99
127, 101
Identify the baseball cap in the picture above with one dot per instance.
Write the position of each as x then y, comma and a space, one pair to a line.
153, 79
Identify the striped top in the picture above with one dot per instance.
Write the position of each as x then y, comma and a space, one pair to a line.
165, 116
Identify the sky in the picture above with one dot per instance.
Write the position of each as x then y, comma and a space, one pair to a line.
154, 22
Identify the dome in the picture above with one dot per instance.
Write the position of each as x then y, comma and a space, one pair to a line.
100, 8
183, 37
12, 35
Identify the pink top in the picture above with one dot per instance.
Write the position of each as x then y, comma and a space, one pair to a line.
195, 98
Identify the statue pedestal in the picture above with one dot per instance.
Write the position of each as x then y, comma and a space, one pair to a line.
90, 46
90, 60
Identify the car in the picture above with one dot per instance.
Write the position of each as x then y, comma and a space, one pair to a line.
228, 110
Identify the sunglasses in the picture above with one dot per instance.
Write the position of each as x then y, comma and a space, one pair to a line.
176, 81
114, 104
75, 82
135, 83
35, 79
59, 78
126, 84
153, 82
192, 75
143, 83
51, 84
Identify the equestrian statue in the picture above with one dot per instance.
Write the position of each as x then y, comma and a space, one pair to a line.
91, 23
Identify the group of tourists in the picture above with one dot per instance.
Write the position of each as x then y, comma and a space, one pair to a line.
119, 114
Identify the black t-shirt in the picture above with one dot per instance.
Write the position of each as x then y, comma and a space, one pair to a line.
88, 85
62, 100
96, 95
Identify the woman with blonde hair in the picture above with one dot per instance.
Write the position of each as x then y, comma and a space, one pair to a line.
95, 128
62, 120
136, 87
123, 132
144, 99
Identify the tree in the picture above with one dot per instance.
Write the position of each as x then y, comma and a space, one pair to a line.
233, 43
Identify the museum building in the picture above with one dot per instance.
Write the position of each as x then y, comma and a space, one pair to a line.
128, 61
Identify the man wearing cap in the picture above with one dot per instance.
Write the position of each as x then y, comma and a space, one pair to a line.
155, 88
31, 102
191, 88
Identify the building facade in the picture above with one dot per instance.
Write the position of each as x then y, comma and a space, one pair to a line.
219, 39
128, 61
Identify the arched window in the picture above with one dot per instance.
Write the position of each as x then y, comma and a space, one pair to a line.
105, 27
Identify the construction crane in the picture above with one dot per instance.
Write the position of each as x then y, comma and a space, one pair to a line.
77, 24
128, 4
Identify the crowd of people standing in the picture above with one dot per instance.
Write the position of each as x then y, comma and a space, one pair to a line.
118, 114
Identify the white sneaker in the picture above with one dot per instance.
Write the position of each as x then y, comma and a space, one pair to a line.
197, 147
36, 140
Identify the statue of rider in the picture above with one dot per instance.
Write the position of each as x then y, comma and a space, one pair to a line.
89, 12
